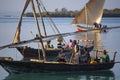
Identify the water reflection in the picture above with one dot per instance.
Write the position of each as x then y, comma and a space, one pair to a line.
99, 75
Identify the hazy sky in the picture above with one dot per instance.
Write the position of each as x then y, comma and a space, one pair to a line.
51, 5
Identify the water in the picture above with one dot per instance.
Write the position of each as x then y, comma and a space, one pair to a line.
109, 41
64, 76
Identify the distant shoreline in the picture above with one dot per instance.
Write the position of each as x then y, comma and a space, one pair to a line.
106, 13
111, 15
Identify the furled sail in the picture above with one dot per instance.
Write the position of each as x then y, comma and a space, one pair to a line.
44, 39
92, 11
18, 30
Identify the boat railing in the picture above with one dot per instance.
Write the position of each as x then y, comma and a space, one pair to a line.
54, 62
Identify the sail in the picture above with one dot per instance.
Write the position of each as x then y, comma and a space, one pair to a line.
92, 11
18, 30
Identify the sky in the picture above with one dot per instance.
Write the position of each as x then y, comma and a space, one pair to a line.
51, 5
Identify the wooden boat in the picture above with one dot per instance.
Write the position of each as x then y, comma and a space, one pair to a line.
27, 67
90, 17
35, 65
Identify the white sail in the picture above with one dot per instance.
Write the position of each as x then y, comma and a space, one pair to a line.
94, 10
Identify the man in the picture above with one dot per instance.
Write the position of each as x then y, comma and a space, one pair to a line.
106, 56
61, 56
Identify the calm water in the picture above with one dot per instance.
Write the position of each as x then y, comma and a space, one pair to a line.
109, 40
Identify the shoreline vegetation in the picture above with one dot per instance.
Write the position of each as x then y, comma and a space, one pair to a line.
65, 13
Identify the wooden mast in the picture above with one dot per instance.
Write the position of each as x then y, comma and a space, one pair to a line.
39, 33
43, 25
86, 21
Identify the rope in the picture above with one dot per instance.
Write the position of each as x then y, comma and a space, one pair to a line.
44, 9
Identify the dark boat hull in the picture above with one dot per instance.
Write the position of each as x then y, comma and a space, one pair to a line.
26, 67
31, 52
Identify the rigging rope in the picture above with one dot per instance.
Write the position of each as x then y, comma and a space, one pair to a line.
47, 14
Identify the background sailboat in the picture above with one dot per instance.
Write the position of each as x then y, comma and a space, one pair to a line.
91, 13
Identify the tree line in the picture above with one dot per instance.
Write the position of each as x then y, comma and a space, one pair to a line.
65, 13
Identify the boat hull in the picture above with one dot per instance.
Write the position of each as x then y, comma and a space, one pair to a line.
34, 67
33, 53
81, 28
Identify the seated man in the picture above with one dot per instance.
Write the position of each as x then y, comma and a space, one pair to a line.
85, 56
105, 57
61, 56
